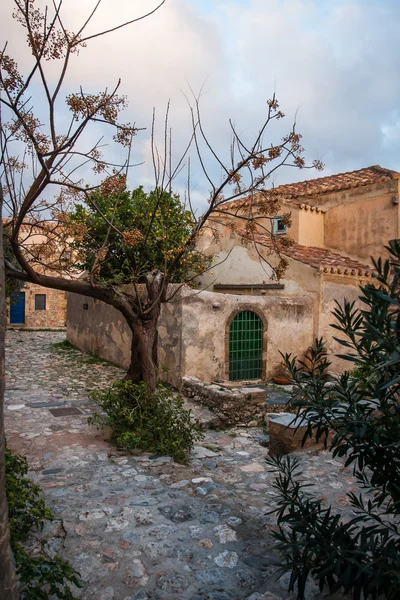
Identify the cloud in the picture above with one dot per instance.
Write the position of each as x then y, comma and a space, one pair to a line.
338, 62
334, 64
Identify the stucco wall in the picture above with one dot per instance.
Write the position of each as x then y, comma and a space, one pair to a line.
205, 317
293, 230
170, 339
362, 224
311, 228
194, 328
238, 264
192, 332
336, 289
364, 192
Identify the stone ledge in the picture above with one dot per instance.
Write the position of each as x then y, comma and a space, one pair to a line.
232, 406
286, 432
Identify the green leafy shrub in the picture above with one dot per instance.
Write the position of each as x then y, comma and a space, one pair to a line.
364, 374
26, 509
360, 556
139, 421
39, 577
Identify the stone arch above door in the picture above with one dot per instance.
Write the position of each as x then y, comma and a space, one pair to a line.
246, 344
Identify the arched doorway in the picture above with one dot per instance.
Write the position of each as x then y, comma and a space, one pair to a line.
245, 346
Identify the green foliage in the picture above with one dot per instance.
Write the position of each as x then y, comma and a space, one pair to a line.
64, 345
27, 510
357, 556
364, 374
39, 577
361, 556
157, 423
42, 578
148, 232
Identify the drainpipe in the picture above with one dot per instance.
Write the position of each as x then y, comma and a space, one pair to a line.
319, 304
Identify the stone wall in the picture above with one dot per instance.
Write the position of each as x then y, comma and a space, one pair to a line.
98, 328
232, 406
194, 331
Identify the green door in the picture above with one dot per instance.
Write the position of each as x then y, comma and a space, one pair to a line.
245, 346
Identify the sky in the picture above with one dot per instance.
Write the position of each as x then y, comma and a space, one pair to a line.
333, 64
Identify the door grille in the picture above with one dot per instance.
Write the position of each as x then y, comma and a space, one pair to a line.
245, 346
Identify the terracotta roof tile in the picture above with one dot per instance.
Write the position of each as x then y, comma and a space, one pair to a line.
337, 183
327, 261
322, 259
329, 184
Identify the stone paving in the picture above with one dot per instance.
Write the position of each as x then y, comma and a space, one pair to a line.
142, 526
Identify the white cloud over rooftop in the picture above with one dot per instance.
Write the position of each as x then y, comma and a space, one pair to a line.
337, 61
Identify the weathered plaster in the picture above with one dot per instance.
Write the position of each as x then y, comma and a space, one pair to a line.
192, 332
336, 289
311, 228
362, 227
206, 315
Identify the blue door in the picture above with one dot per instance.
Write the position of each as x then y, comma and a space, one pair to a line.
17, 308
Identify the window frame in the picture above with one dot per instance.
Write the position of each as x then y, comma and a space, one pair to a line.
275, 230
44, 303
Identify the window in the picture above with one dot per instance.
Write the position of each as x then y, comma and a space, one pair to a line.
279, 226
40, 301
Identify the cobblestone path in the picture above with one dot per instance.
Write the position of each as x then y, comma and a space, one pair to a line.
139, 527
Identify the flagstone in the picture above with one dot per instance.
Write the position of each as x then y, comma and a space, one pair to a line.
143, 526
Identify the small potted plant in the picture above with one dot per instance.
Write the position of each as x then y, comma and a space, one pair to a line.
281, 377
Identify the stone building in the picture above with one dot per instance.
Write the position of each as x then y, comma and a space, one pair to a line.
34, 306
235, 325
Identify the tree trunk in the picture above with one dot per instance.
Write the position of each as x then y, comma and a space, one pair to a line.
146, 335
144, 327
135, 369
8, 584
134, 372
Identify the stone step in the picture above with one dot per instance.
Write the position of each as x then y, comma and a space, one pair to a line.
205, 418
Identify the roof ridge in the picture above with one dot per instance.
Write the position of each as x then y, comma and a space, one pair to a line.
389, 172
311, 188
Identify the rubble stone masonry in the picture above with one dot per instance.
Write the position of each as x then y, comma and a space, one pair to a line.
53, 316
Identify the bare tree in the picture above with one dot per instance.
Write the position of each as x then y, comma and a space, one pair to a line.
58, 155
50, 153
